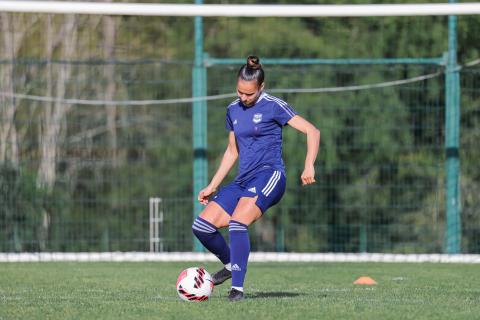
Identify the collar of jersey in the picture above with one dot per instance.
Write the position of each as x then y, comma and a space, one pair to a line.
260, 101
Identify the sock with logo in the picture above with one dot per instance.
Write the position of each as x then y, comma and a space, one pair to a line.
211, 239
239, 251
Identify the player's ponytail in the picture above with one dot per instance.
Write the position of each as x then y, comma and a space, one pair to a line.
252, 70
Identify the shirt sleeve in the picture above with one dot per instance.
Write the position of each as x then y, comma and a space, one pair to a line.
283, 113
228, 121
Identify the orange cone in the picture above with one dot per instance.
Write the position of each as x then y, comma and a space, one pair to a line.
366, 281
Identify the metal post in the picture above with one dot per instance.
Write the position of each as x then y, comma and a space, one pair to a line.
156, 237
280, 223
199, 119
151, 224
452, 134
363, 237
156, 219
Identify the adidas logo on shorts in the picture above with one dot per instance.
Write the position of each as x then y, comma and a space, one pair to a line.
253, 190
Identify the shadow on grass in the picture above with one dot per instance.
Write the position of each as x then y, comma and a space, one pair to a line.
273, 294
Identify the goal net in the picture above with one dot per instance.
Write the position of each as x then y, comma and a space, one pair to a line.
98, 109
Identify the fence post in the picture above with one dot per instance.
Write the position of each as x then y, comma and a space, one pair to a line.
156, 223
199, 120
452, 133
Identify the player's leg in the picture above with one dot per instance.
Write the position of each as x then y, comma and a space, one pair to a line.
205, 227
215, 215
261, 193
244, 215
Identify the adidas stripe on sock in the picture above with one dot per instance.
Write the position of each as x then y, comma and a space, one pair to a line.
211, 239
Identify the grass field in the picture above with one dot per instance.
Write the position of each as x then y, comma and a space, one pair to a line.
274, 291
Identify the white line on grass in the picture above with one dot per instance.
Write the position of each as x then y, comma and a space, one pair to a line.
254, 257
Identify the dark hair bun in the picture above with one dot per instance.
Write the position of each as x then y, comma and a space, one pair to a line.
252, 70
253, 62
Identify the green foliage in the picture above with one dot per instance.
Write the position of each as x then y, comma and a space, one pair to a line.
24, 207
380, 181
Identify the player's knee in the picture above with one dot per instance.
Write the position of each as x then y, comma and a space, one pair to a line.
194, 230
201, 226
246, 218
237, 226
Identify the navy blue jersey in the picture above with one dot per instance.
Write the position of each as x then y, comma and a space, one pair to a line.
258, 131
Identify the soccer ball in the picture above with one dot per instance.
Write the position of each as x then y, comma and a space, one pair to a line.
194, 284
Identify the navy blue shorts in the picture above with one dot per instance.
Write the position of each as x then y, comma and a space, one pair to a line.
268, 185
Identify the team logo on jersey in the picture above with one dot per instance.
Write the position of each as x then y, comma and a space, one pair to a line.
257, 118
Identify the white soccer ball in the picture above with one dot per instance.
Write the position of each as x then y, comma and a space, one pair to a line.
194, 284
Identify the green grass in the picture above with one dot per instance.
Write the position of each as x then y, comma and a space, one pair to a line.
274, 291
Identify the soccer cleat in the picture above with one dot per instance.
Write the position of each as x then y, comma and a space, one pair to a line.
221, 276
235, 295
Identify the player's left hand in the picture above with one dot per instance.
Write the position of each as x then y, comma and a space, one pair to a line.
308, 175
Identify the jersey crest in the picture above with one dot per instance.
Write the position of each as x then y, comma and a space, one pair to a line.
257, 118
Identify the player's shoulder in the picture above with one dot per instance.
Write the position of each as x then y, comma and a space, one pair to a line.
233, 103
274, 100
281, 105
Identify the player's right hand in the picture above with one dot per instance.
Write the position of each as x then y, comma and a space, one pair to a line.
205, 194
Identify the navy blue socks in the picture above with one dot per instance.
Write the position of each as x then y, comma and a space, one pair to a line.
211, 239
235, 257
239, 252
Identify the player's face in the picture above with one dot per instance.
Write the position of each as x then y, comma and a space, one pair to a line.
248, 91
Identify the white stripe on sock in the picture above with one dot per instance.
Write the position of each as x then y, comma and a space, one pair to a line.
233, 223
202, 229
237, 229
204, 225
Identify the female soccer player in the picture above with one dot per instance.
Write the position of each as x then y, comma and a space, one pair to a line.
254, 122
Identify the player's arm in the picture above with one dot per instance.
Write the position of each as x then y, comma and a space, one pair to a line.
228, 160
313, 142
